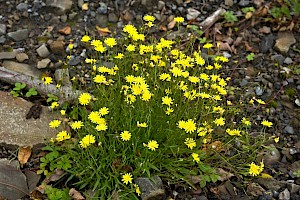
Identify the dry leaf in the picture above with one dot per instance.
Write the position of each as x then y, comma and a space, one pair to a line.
103, 31
57, 175
265, 175
265, 29
85, 6
248, 47
75, 194
224, 46
24, 154
162, 28
258, 3
224, 175
171, 24
65, 31
248, 15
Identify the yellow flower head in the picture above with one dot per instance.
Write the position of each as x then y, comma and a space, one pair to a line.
179, 19
85, 98
167, 100
125, 135
110, 42
255, 170
196, 157
127, 178
103, 111
190, 142
47, 80
149, 18
266, 123
152, 145
61, 136
76, 125
85, 38
54, 123
87, 141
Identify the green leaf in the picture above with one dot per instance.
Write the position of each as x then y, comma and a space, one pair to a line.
47, 148
214, 178
202, 183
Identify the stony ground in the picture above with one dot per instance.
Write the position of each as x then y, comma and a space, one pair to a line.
34, 35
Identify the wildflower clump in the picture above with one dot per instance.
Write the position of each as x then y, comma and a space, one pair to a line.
150, 108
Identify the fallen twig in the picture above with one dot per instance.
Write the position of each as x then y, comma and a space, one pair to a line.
64, 93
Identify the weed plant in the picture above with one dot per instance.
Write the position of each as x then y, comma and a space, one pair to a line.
153, 107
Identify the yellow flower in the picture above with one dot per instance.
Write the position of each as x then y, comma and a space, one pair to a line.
47, 80
246, 121
207, 46
130, 29
54, 123
119, 56
189, 126
169, 110
190, 142
125, 135
84, 99
110, 42
137, 189
101, 127
276, 140
62, 112
220, 121
127, 178
54, 105
194, 79
233, 132
71, 46
87, 141
259, 101
85, 38
130, 48
149, 18
61, 136
142, 125
103, 111
152, 145
266, 123
76, 125
179, 19
167, 100
196, 157
100, 79
165, 77
255, 170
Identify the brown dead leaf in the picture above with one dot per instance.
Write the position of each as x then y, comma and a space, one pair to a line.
103, 31
65, 31
258, 3
223, 175
224, 46
171, 24
57, 175
248, 47
24, 154
265, 30
163, 28
75, 194
238, 41
248, 15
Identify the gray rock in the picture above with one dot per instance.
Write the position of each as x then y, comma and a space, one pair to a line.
22, 68
294, 188
288, 61
102, 9
243, 83
271, 184
192, 13
21, 57
75, 60
80, 3
289, 130
16, 129
285, 195
112, 17
15, 186
161, 5
22, 7
101, 20
62, 6
62, 76
278, 58
228, 2
2, 29
244, 3
2, 39
270, 155
8, 55
43, 51
152, 189
284, 41
259, 91
57, 47
43, 63
267, 43
19, 34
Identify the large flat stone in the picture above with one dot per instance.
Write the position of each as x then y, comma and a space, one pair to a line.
15, 129
21, 68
